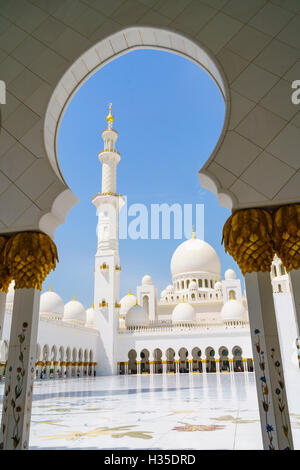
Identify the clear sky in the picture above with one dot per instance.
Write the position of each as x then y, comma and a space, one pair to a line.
169, 114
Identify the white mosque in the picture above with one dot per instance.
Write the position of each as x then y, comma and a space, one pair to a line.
198, 324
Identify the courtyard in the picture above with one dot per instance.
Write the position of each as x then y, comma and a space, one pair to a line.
182, 411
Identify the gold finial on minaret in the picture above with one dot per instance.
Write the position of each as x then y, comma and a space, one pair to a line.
50, 288
93, 306
110, 118
129, 292
74, 297
193, 232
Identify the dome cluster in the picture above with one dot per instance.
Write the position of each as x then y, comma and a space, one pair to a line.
53, 307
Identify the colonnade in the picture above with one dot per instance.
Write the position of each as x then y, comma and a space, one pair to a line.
163, 362
63, 369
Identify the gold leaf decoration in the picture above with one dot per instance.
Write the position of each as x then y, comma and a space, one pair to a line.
30, 257
5, 276
287, 235
247, 237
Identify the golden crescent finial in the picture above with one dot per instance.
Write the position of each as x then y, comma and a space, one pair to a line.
50, 288
110, 118
193, 232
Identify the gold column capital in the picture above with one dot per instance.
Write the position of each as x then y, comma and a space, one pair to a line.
248, 238
5, 276
29, 258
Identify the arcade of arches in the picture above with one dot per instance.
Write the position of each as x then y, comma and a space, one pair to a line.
171, 361
54, 362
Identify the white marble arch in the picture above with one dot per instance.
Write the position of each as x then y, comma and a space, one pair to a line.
256, 44
116, 45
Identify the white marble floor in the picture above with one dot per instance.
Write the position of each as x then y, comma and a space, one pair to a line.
149, 412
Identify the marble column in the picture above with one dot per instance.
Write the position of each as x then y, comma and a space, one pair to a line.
138, 367
48, 364
245, 365
39, 368
203, 366
294, 278
62, 369
2, 365
68, 370
190, 362
2, 311
231, 369
177, 365
270, 385
164, 366
55, 364
218, 365
19, 378
126, 368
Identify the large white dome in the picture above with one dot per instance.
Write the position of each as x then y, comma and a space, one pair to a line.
74, 310
127, 302
232, 310
183, 313
136, 316
51, 303
195, 255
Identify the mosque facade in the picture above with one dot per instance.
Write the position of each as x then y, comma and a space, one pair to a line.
198, 324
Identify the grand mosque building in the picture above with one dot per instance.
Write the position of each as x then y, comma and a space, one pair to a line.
198, 324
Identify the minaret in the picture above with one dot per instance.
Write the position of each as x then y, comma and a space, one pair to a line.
107, 262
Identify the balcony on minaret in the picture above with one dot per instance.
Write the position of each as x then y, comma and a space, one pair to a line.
103, 304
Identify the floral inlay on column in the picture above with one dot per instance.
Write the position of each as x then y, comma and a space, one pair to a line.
264, 390
280, 398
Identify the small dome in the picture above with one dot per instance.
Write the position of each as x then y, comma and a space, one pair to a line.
127, 302
74, 310
90, 317
232, 310
195, 255
230, 274
51, 303
183, 313
193, 285
169, 288
147, 280
218, 285
136, 316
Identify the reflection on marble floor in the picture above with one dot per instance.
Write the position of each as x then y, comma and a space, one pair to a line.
149, 412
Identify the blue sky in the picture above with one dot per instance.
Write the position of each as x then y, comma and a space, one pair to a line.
168, 114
